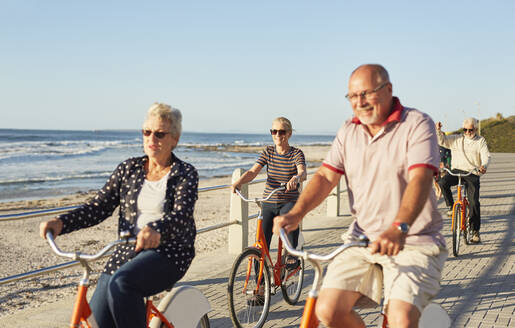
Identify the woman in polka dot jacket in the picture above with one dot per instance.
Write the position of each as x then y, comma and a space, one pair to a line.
156, 194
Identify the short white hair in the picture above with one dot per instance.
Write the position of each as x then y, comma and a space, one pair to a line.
169, 114
470, 121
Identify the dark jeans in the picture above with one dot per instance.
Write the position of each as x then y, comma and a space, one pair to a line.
118, 299
270, 211
471, 183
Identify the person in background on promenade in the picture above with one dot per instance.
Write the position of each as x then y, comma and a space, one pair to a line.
285, 164
469, 152
445, 162
156, 194
445, 157
388, 155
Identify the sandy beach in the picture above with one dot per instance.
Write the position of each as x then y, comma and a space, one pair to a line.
23, 250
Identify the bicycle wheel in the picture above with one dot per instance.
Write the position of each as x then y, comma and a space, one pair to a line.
246, 308
204, 322
291, 283
183, 306
456, 230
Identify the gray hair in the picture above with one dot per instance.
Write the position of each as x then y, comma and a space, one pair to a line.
167, 113
380, 72
470, 120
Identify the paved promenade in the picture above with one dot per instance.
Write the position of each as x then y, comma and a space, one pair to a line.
478, 287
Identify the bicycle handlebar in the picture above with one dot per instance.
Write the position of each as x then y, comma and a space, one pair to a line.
363, 242
86, 257
262, 199
459, 174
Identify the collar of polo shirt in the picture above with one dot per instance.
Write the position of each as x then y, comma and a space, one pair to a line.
395, 115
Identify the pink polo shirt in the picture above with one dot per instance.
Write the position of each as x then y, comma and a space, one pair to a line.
376, 172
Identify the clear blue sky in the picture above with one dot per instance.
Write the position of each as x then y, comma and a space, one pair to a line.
233, 66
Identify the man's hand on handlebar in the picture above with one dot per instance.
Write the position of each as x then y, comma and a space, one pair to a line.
147, 238
55, 225
390, 242
286, 221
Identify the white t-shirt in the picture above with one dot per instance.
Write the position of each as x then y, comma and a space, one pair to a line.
151, 201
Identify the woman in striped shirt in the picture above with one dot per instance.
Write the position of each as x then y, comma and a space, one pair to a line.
285, 164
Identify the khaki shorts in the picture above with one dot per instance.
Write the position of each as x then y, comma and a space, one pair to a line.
412, 276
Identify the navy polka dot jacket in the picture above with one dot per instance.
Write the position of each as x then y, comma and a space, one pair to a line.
177, 227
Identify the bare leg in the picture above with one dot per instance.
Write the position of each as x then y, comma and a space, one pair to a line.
334, 308
402, 315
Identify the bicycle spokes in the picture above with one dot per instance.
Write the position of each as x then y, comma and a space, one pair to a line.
249, 296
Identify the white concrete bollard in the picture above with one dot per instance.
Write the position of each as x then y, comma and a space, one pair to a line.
333, 201
238, 233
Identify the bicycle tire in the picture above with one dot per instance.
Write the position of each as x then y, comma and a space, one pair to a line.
456, 219
291, 286
204, 322
243, 310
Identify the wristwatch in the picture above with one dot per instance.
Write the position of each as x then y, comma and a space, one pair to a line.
403, 227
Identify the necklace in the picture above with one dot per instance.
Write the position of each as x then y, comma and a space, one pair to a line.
156, 172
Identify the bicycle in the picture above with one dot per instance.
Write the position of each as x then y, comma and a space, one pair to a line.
250, 276
460, 215
433, 315
183, 306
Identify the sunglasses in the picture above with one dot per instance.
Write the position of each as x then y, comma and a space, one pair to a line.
280, 132
158, 134
468, 130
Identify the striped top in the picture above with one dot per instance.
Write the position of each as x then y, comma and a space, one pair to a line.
280, 169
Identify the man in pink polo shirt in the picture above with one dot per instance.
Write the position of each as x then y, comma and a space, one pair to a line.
388, 155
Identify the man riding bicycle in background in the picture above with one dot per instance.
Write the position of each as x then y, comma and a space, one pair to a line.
388, 154
469, 152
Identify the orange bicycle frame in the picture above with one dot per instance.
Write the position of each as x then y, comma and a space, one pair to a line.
265, 255
152, 312
81, 309
82, 312
463, 207
309, 317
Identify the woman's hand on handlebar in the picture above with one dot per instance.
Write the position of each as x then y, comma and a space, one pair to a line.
147, 238
55, 225
293, 184
234, 187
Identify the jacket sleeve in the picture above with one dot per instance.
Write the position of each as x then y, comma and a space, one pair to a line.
97, 209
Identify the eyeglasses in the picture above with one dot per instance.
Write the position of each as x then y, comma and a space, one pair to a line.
367, 94
280, 132
158, 134
468, 130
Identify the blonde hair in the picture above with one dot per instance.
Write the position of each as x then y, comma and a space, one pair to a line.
285, 122
167, 113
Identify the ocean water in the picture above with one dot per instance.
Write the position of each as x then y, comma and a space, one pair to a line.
46, 163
